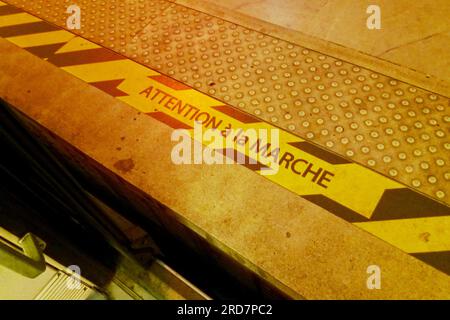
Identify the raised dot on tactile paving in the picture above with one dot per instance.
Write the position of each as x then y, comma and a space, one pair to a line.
440, 194
432, 179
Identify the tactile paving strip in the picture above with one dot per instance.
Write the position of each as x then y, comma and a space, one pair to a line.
395, 128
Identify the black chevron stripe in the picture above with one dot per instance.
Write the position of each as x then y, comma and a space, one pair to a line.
405, 203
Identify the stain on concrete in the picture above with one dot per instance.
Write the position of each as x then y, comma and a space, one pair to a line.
125, 165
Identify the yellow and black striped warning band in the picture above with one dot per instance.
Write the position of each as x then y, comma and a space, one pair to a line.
387, 209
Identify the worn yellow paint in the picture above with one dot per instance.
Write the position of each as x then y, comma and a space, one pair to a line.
16, 19
413, 235
102, 71
41, 39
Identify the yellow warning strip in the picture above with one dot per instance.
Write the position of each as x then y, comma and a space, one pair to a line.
413, 235
16, 19
41, 39
120, 69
